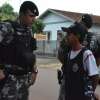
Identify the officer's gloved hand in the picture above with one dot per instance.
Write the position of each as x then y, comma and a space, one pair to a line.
34, 73
32, 76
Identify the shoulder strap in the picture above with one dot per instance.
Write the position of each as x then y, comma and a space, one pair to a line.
83, 50
13, 23
82, 70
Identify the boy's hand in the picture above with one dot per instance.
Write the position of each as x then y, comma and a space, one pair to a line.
2, 75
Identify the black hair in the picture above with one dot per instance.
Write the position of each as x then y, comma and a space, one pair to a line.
28, 5
87, 20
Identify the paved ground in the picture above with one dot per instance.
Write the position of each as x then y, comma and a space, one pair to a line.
48, 63
46, 86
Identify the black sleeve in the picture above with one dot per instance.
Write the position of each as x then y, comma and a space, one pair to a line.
33, 44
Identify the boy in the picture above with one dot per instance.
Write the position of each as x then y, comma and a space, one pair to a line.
81, 70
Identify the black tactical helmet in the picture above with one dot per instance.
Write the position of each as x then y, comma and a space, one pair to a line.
28, 5
87, 20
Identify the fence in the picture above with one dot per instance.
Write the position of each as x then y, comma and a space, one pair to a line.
48, 48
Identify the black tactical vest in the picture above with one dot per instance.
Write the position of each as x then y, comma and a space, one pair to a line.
76, 83
20, 50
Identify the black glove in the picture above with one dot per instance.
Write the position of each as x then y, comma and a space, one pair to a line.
59, 76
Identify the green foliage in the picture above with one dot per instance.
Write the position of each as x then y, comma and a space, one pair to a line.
7, 9
6, 12
38, 26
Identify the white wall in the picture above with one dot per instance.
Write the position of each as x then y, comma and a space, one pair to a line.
95, 29
54, 27
53, 23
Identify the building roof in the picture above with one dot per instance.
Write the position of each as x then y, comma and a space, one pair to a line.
74, 16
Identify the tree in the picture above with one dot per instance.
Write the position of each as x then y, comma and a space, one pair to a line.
7, 9
6, 12
38, 26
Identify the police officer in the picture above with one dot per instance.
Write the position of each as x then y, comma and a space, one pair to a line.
17, 59
86, 19
93, 40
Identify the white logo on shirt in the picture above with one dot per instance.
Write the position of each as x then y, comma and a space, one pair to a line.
75, 68
19, 33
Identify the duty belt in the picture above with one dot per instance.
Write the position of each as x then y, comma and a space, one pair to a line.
15, 70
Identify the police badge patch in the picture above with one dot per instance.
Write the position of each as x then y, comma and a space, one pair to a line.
75, 68
19, 33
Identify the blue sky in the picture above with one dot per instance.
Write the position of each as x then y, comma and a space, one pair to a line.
83, 6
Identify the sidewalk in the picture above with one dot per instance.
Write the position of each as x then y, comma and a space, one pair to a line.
48, 62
